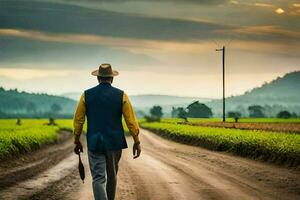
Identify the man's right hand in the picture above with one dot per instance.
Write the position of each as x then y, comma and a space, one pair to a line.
136, 149
78, 148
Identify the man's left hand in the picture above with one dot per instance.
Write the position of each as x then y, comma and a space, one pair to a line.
136, 150
78, 148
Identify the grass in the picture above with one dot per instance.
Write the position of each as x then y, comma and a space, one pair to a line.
31, 135
268, 146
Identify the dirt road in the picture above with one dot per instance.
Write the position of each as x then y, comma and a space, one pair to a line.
167, 170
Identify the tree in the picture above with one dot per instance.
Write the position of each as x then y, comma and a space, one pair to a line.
284, 114
268, 110
182, 114
56, 108
156, 112
179, 112
51, 122
198, 110
18, 123
241, 109
139, 113
2, 114
234, 115
31, 108
174, 112
294, 115
256, 111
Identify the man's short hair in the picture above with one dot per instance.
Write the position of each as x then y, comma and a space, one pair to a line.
104, 79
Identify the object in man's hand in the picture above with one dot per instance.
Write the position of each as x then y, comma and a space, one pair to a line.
81, 169
78, 148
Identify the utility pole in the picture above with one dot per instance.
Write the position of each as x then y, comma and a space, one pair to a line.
223, 51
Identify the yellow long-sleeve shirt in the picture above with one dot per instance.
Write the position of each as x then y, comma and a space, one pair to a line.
127, 110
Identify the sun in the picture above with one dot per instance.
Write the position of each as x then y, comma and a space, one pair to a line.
279, 11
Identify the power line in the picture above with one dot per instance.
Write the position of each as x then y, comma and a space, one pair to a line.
223, 59
229, 42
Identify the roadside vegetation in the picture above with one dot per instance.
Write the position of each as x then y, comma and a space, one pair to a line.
21, 136
263, 145
18, 136
241, 120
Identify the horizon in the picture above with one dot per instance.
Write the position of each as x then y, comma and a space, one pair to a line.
20, 89
65, 94
52, 46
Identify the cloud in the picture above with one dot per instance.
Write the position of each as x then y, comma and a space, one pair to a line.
234, 2
84, 24
138, 49
95, 40
57, 18
134, 46
77, 38
264, 5
271, 31
40, 53
27, 74
204, 2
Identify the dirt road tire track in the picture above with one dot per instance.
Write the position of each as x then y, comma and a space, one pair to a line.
28, 165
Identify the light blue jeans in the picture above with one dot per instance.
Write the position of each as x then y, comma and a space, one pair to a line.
104, 169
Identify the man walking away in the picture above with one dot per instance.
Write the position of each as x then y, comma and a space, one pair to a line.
104, 105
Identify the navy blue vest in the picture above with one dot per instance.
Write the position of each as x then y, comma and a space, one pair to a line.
104, 118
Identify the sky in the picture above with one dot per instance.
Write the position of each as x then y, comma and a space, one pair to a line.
158, 46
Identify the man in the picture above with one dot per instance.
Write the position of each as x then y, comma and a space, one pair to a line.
104, 105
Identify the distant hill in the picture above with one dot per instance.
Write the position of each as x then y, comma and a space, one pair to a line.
277, 95
281, 93
163, 100
15, 103
72, 95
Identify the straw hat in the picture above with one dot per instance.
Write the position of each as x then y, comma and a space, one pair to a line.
105, 70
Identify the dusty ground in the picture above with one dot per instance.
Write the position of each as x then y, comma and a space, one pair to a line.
165, 170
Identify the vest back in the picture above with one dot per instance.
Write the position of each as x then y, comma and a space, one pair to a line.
104, 118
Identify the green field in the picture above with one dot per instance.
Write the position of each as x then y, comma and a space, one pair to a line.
270, 146
242, 120
32, 134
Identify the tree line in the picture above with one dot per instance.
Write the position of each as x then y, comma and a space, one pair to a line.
200, 110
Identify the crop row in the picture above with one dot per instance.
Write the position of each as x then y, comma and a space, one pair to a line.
241, 120
30, 135
275, 127
268, 146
